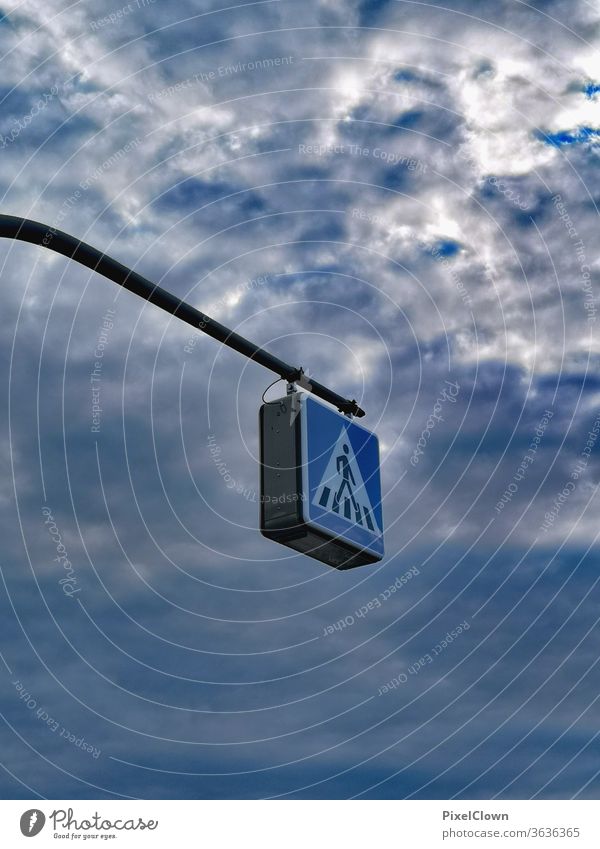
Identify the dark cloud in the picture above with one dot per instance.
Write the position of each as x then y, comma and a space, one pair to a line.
398, 197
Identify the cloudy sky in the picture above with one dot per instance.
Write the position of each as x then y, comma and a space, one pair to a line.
399, 196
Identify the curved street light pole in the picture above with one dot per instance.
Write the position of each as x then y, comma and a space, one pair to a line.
25, 230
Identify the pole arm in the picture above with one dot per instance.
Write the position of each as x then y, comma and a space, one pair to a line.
25, 230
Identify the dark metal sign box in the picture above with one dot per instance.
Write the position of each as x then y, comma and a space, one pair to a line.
320, 482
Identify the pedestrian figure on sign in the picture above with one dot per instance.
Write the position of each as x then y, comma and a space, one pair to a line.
343, 468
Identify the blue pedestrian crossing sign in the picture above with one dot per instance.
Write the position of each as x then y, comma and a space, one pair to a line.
341, 480
342, 489
331, 465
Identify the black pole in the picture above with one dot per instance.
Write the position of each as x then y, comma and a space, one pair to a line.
13, 227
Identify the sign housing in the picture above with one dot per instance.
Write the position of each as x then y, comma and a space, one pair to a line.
320, 482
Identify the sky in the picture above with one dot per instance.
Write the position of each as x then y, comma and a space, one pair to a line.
401, 197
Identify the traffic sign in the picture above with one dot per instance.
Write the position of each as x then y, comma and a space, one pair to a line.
320, 482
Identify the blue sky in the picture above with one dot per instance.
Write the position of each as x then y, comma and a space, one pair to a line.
394, 195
